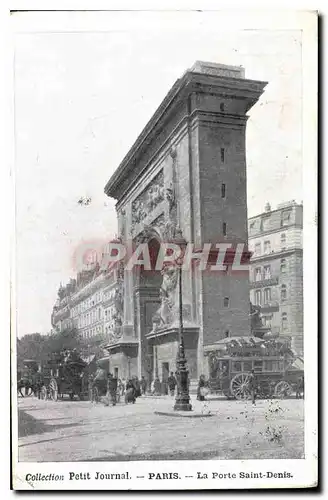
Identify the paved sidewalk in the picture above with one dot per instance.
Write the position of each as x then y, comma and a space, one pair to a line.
81, 431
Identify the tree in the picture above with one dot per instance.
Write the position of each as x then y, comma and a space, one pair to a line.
33, 346
66, 340
40, 347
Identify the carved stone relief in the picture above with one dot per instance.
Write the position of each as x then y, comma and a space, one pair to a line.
117, 331
122, 224
166, 313
171, 190
148, 200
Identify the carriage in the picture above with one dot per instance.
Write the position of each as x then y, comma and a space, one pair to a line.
63, 375
278, 372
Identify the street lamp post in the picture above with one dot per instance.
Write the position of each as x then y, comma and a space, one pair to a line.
182, 400
129, 367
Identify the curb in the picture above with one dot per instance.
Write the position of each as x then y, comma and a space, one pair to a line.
184, 414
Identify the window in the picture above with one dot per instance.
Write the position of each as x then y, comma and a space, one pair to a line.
258, 297
224, 229
284, 321
283, 241
223, 190
267, 247
283, 292
236, 366
265, 223
257, 248
267, 295
258, 274
267, 272
221, 107
285, 218
222, 154
247, 366
283, 266
226, 302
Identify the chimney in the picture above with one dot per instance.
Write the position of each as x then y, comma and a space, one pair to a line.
267, 207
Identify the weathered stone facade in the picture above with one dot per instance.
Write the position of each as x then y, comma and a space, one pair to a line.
276, 272
185, 176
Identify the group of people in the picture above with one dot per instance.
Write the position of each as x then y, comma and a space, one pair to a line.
115, 388
159, 388
132, 388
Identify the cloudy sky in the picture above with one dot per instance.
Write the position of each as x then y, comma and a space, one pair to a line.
83, 97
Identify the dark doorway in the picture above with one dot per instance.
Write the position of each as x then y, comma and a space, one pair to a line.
165, 371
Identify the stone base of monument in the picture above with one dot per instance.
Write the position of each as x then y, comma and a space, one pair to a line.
184, 414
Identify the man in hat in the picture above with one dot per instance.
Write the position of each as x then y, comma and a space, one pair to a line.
172, 382
100, 380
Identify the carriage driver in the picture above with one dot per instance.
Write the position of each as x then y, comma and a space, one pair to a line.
100, 380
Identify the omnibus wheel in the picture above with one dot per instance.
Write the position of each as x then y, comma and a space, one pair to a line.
239, 386
53, 390
283, 390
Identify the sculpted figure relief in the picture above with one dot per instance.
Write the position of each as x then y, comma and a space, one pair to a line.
165, 314
170, 196
148, 200
116, 331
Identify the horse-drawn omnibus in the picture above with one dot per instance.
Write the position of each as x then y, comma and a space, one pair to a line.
277, 370
63, 374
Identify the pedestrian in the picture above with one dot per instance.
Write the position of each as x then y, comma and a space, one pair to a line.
143, 384
201, 389
119, 388
300, 388
172, 382
252, 386
130, 391
38, 384
123, 386
100, 380
137, 387
112, 389
157, 386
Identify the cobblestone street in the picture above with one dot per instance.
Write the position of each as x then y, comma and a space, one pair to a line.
82, 431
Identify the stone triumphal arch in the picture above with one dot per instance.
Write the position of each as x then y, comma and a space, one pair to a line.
185, 175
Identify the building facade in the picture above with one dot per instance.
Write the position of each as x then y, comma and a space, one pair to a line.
276, 271
185, 176
89, 304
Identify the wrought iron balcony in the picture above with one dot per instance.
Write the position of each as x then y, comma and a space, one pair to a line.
271, 306
264, 283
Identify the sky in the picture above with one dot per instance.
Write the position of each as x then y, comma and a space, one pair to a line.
82, 98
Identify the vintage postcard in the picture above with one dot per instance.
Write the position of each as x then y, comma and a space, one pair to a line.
164, 331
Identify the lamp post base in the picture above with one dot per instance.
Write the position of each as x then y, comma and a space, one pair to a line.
182, 404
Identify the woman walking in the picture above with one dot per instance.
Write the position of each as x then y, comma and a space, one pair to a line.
201, 389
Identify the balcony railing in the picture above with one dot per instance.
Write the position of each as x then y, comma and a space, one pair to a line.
264, 282
271, 306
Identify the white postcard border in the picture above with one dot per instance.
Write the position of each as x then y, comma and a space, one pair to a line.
304, 472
